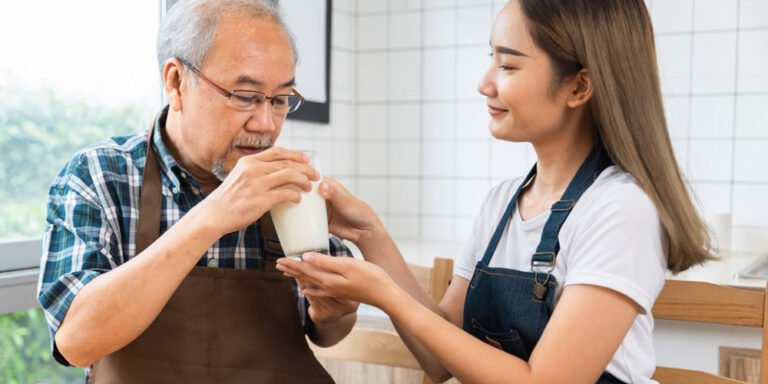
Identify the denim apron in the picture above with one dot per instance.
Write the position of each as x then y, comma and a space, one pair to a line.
509, 309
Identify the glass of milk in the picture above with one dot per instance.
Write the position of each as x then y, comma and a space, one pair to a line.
303, 227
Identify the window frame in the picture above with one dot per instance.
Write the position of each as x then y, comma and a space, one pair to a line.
20, 257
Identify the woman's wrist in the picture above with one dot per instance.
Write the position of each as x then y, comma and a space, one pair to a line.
373, 239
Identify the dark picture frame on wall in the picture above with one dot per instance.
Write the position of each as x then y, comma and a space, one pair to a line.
310, 23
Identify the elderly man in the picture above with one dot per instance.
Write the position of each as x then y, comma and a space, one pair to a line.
158, 259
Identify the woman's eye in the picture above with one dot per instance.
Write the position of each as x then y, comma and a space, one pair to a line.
507, 68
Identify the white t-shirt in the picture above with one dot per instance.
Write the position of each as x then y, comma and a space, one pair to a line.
612, 238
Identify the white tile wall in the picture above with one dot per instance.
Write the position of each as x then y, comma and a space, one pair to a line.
674, 57
409, 133
714, 62
672, 16
752, 116
715, 14
712, 117
753, 14
405, 30
753, 61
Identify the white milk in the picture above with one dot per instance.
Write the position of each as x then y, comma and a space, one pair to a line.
302, 227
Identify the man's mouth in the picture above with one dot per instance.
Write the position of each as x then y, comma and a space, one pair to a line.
250, 150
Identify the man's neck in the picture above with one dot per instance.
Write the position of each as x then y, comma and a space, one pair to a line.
174, 140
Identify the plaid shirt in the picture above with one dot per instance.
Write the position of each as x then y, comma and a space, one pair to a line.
93, 220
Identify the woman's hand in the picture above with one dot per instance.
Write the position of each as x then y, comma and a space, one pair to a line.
341, 278
348, 217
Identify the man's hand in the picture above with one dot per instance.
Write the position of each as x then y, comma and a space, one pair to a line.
326, 310
256, 184
333, 318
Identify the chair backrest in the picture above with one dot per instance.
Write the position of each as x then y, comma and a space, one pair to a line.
715, 304
384, 346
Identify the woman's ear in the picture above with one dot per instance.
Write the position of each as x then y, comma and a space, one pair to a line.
580, 89
172, 73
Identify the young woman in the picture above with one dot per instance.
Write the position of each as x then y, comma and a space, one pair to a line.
557, 282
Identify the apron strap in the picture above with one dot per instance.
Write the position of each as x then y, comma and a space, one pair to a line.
271, 243
505, 218
549, 245
151, 203
151, 206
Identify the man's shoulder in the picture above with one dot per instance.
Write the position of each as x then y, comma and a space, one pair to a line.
129, 146
116, 155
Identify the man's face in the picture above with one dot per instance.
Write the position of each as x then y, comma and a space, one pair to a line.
246, 54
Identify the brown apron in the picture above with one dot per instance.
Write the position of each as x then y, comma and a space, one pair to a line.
220, 326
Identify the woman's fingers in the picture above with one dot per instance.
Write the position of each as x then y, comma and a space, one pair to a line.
316, 292
337, 265
307, 271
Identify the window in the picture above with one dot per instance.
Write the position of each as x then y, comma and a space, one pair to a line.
73, 73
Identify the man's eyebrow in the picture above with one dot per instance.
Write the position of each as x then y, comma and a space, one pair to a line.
245, 79
508, 51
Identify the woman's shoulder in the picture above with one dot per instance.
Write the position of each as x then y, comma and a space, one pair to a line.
616, 192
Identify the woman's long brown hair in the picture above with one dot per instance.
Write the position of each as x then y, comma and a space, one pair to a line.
613, 40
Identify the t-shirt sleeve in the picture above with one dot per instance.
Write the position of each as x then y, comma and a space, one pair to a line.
618, 245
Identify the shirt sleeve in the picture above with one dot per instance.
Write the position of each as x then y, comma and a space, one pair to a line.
76, 243
618, 245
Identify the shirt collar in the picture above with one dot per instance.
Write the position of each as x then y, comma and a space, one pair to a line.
170, 167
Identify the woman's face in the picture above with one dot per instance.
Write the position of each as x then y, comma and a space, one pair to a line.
522, 101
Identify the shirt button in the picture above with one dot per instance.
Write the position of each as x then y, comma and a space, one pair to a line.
175, 190
183, 175
213, 263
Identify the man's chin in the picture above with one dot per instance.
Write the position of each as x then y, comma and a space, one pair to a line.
219, 171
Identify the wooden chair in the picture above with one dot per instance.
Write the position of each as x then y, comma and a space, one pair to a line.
380, 344
715, 304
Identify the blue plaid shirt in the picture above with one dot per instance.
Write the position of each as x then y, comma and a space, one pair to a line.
93, 220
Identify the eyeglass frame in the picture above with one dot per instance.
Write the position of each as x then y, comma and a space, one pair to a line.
228, 94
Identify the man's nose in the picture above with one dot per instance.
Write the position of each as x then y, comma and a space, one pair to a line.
262, 118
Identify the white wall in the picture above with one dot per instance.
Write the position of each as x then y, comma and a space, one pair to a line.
408, 129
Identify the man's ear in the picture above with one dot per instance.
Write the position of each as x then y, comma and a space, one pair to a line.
172, 81
580, 89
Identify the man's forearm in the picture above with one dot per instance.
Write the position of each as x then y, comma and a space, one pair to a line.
100, 321
328, 334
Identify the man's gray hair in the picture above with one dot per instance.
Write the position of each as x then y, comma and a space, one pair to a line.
188, 29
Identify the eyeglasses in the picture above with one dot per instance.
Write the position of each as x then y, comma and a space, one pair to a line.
244, 100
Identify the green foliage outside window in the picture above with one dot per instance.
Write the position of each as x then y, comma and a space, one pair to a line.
40, 132
25, 355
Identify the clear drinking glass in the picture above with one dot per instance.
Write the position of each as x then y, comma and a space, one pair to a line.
303, 227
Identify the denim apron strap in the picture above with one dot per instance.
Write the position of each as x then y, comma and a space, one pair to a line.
505, 218
549, 245
509, 309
